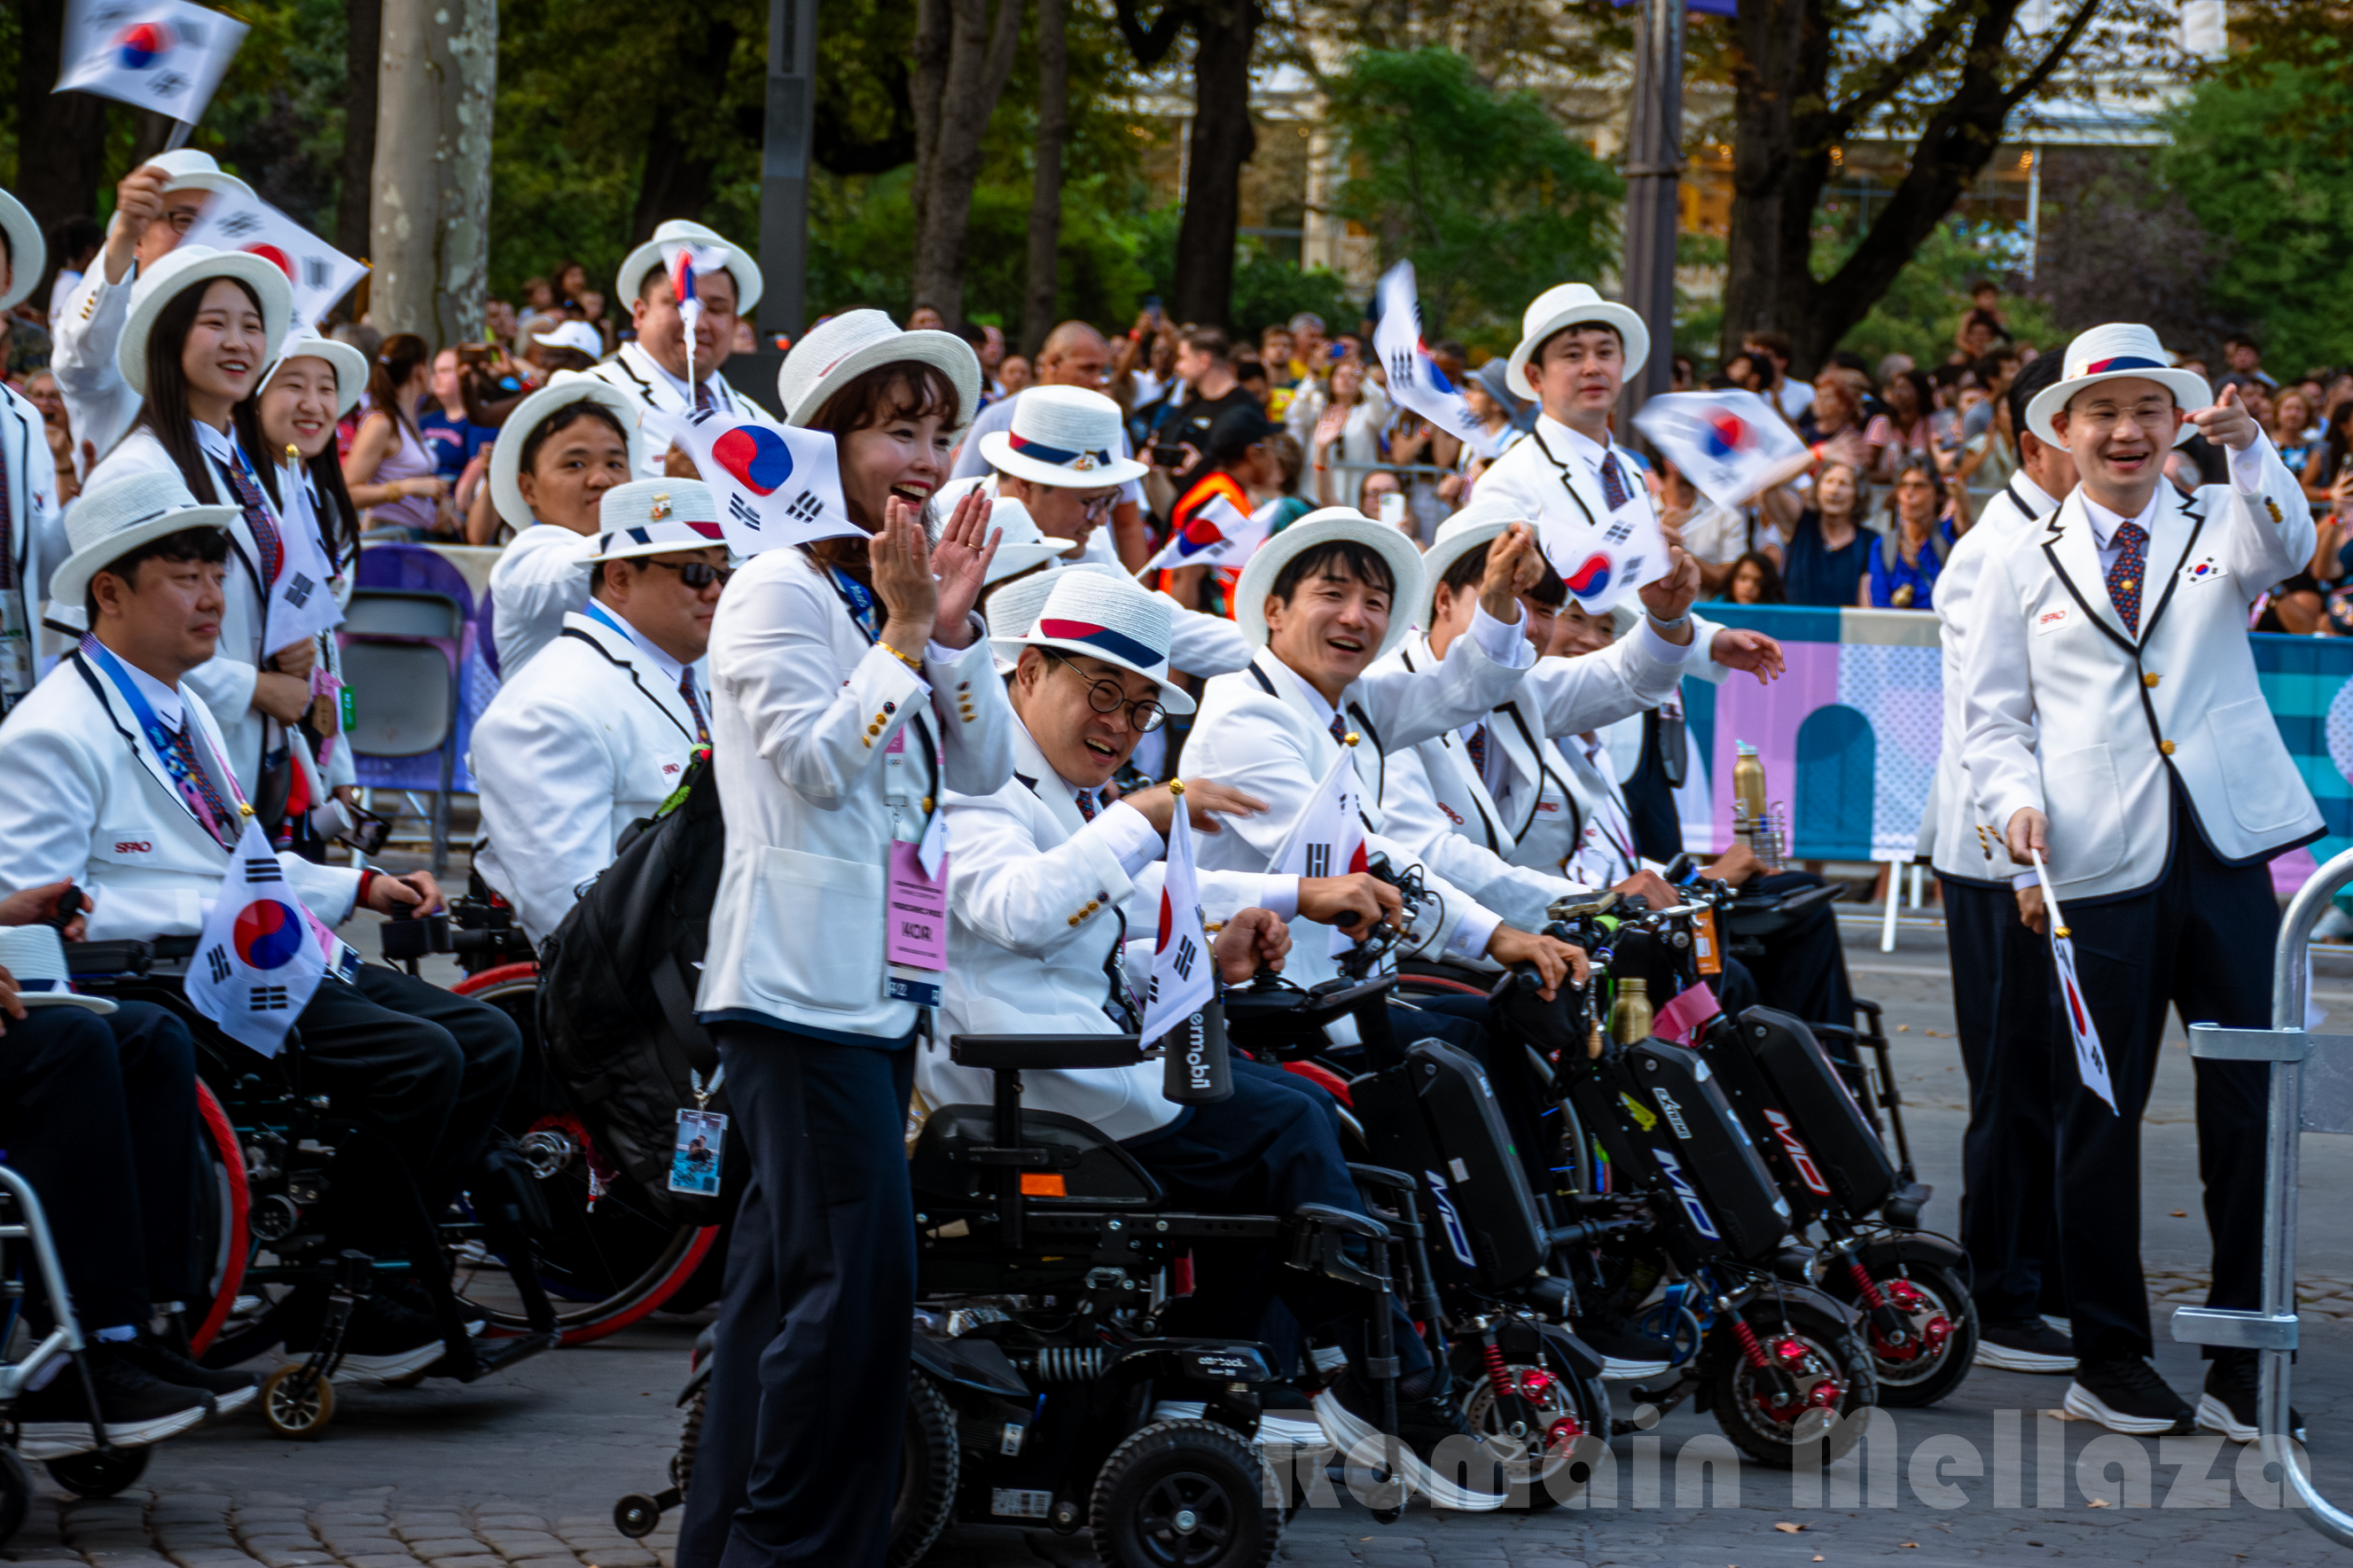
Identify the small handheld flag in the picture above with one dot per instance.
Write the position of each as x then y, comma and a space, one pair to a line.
774, 486
1414, 378
160, 55
1183, 973
1328, 837
260, 957
2091, 1062
1726, 443
683, 261
1216, 534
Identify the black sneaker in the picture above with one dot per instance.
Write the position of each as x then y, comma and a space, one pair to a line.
230, 1390
1438, 1456
384, 1340
2127, 1395
2024, 1344
136, 1408
2228, 1404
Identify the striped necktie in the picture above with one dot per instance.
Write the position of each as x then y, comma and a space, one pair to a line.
1613, 483
256, 508
195, 783
694, 706
702, 395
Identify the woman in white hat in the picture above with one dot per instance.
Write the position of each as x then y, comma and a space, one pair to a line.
556, 455
202, 328
850, 690
32, 539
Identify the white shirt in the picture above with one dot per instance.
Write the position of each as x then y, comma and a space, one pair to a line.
2246, 478
1795, 397
668, 667
164, 701
679, 386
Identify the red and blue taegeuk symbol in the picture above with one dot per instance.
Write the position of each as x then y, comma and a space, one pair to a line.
1592, 580
268, 935
141, 43
1201, 532
1726, 432
2200, 573
275, 256
757, 457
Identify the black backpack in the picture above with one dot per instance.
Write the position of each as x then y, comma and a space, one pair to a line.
616, 983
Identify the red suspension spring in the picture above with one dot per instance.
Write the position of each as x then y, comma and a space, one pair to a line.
1863, 1282
1499, 1376
1748, 1345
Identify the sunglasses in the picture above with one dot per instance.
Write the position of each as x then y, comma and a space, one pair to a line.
696, 574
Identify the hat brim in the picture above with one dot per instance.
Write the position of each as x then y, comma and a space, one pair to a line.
633, 550
944, 351
28, 253
1632, 332
1441, 556
98, 1004
1331, 525
1012, 560
566, 387
71, 579
1007, 653
647, 258
2190, 392
996, 451
211, 180
268, 283
351, 369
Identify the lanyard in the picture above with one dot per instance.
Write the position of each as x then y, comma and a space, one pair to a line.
164, 742
858, 599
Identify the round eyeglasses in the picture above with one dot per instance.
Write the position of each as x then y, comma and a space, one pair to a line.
1143, 715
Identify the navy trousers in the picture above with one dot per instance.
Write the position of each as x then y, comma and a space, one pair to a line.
2001, 1000
2201, 941
799, 1458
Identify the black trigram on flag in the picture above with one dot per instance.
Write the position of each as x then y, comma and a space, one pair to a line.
804, 507
1186, 955
316, 272
298, 592
1619, 532
264, 868
1319, 859
268, 999
743, 512
216, 959
239, 225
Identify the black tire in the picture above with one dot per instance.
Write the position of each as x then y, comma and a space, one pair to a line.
98, 1473
15, 1494
1924, 1292
1831, 1350
636, 1516
929, 1460
1562, 1468
1185, 1494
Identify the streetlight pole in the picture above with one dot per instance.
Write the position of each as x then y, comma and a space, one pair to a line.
1654, 160
784, 168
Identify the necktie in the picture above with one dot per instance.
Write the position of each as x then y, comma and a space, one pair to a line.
197, 785
2124, 577
1477, 746
693, 706
1339, 730
703, 397
256, 517
1087, 803
1613, 483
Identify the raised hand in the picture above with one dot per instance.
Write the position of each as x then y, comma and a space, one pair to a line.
960, 564
899, 558
1751, 651
2228, 423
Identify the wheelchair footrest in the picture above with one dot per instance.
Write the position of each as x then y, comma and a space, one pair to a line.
497, 1355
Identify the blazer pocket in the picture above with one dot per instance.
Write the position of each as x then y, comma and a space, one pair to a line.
2087, 814
2258, 776
817, 931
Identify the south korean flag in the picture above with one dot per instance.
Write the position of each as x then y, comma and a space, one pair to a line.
1183, 973
261, 954
774, 486
302, 603
1328, 837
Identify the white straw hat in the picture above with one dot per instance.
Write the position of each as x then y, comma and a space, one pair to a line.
648, 258
577, 335
1022, 545
37, 958
564, 388
1569, 305
2108, 353
1062, 436
351, 367
836, 351
114, 519
1477, 524
655, 517
1332, 525
1011, 609
29, 256
190, 266
185, 169
1106, 617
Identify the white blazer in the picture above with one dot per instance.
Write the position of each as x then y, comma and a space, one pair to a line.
1966, 845
634, 372
2069, 713
1039, 899
100, 404
1506, 853
590, 738
804, 710
37, 540
540, 577
226, 683
84, 798
1545, 473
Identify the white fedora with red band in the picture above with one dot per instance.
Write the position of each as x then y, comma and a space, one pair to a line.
1107, 618
655, 517
2112, 352
840, 348
37, 958
1062, 435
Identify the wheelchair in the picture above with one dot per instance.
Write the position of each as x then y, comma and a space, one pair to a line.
1044, 1253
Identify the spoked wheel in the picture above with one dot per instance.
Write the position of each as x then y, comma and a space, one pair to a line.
99, 1472
296, 1405
1929, 1357
929, 1459
224, 1239
1817, 1373
1185, 1494
1550, 1431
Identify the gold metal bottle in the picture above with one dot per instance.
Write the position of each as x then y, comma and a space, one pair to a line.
1631, 1022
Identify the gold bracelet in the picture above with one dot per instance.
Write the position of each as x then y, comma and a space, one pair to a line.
910, 661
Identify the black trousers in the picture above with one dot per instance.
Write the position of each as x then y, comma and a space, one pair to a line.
100, 1115
2001, 1000
426, 1070
2199, 939
800, 1460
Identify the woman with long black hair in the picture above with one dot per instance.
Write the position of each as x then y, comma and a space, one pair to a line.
201, 327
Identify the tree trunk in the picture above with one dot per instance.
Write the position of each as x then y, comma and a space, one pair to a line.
979, 57
1782, 46
432, 198
1046, 180
60, 137
934, 40
1222, 142
676, 178
363, 24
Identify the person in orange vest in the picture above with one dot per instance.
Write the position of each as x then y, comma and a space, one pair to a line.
1236, 461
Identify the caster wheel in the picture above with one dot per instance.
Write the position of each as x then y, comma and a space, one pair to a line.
15, 1494
1184, 1494
296, 1405
636, 1515
96, 1473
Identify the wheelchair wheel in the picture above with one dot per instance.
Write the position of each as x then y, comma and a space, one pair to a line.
98, 1473
296, 1405
1185, 1494
15, 1494
1547, 1459
224, 1237
1944, 1329
1821, 1354
929, 1459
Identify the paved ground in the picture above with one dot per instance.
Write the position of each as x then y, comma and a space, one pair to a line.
520, 1471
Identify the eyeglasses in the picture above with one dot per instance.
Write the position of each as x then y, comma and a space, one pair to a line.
1104, 695
182, 219
1099, 508
2150, 415
696, 574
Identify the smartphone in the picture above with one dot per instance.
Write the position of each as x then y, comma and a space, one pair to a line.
1167, 457
368, 832
1393, 510
1152, 306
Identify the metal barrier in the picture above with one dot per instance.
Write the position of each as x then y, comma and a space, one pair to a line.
2311, 1091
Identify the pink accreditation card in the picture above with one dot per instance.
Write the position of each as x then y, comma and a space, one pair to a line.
915, 933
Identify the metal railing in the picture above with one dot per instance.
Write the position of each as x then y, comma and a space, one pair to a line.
2311, 1091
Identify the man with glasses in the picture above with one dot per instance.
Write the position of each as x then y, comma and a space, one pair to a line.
598, 729
154, 205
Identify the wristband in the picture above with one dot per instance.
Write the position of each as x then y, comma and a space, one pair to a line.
368, 874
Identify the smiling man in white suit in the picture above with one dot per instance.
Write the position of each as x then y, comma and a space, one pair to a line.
2114, 726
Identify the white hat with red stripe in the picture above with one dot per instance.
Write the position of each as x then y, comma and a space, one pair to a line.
655, 517
37, 958
1062, 435
2111, 353
1109, 617
840, 348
